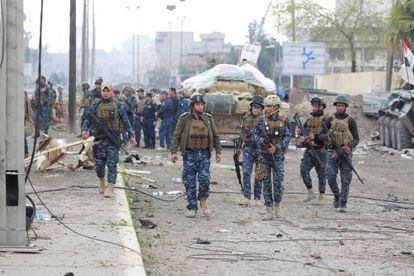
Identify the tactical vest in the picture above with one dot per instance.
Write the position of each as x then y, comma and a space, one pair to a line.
198, 135
314, 124
275, 130
86, 102
108, 115
140, 106
248, 124
341, 132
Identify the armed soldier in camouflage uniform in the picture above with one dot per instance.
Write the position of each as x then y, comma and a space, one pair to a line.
41, 102
313, 125
106, 153
343, 129
86, 101
138, 114
95, 94
196, 136
250, 150
272, 134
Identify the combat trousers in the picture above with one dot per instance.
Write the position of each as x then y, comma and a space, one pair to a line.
196, 164
250, 155
308, 163
106, 154
332, 167
270, 168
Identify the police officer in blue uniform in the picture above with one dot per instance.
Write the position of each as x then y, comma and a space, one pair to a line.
148, 120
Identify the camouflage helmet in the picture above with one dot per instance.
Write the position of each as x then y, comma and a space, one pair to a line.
341, 99
197, 97
258, 101
272, 100
85, 85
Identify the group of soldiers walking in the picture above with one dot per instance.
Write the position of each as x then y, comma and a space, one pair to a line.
185, 127
329, 142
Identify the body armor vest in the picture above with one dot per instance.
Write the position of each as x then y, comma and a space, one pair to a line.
108, 115
198, 135
314, 124
341, 132
275, 130
86, 102
140, 106
248, 124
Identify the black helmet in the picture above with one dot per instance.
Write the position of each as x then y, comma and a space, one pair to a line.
127, 89
257, 100
85, 85
316, 100
98, 81
197, 97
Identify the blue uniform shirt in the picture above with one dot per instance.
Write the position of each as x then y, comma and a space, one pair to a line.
166, 109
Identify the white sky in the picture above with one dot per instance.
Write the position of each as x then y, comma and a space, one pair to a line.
115, 23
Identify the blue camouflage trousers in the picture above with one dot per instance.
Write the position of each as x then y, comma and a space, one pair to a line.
332, 167
106, 154
149, 132
137, 130
250, 155
277, 167
165, 131
308, 163
196, 163
44, 117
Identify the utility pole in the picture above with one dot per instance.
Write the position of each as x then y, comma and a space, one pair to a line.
87, 50
83, 66
72, 67
133, 58
293, 79
93, 54
12, 186
138, 48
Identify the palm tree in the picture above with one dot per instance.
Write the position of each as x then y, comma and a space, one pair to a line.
401, 23
400, 26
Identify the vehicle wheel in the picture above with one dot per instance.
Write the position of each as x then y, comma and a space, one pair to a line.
394, 133
387, 132
381, 127
403, 137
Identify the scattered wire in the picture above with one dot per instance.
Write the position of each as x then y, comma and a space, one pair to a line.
73, 230
96, 187
351, 196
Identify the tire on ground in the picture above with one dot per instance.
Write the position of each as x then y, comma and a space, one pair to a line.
387, 132
394, 133
404, 138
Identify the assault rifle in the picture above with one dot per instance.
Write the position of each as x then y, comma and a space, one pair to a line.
341, 152
109, 133
305, 134
237, 163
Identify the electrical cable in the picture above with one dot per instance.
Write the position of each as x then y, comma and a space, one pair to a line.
3, 43
37, 98
350, 196
96, 187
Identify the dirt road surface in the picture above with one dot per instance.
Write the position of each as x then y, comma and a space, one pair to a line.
310, 239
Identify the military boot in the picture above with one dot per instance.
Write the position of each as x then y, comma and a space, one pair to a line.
311, 195
278, 210
245, 201
203, 206
102, 185
269, 213
109, 193
191, 214
336, 201
342, 208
